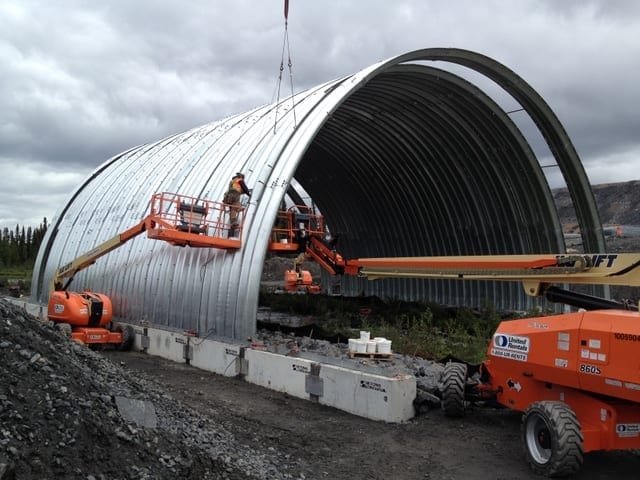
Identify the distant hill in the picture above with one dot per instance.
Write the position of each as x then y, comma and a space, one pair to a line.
618, 204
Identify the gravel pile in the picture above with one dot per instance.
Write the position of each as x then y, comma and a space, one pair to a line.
62, 416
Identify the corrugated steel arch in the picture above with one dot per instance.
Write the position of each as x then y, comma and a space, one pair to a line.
401, 158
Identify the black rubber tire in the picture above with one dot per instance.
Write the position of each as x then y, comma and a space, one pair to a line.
553, 441
454, 379
128, 337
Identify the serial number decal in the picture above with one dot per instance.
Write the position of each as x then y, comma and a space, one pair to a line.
629, 337
591, 369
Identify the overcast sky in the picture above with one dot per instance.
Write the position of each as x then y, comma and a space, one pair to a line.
81, 81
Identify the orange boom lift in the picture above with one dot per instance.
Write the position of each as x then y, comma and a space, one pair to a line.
575, 376
177, 219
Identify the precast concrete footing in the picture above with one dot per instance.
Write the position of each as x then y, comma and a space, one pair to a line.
377, 397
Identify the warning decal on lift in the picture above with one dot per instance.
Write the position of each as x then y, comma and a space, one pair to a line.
514, 385
510, 346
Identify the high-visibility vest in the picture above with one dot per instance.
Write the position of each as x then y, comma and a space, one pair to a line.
235, 184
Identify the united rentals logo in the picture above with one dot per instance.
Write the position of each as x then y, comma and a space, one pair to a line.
511, 342
512, 347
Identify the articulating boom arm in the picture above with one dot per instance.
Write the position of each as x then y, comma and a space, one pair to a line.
537, 273
178, 219
87, 259
327, 257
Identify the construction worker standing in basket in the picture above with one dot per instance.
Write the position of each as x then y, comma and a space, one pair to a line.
232, 198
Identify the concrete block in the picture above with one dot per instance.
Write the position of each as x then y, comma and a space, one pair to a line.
278, 372
35, 309
165, 344
218, 357
389, 399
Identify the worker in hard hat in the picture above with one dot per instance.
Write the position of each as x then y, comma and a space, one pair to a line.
237, 187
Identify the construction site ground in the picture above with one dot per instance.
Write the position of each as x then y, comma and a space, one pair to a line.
65, 412
61, 417
336, 445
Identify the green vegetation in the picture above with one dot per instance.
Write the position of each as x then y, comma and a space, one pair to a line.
415, 328
18, 251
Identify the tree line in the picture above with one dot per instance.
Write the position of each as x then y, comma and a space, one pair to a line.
19, 246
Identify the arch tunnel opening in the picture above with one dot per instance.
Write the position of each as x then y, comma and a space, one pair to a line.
421, 162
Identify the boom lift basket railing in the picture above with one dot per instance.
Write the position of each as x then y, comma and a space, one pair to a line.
293, 228
189, 221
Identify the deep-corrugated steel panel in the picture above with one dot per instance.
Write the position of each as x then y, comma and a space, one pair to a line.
401, 158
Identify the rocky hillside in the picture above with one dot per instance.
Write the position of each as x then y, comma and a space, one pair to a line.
618, 204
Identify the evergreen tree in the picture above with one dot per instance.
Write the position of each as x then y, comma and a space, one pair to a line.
19, 247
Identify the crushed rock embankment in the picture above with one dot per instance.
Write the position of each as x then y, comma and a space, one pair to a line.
61, 417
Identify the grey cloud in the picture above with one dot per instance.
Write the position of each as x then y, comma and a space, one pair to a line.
82, 81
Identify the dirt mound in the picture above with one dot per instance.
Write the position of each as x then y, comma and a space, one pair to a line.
66, 412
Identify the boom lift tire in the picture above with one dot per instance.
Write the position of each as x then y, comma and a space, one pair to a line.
454, 379
128, 337
552, 438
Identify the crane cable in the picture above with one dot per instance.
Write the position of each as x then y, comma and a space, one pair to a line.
285, 41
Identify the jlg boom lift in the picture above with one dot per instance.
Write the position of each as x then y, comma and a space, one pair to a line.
177, 219
575, 376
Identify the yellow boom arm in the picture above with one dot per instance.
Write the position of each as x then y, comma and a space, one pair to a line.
87, 259
532, 270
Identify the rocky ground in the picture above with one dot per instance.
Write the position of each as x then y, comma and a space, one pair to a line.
62, 417
70, 412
